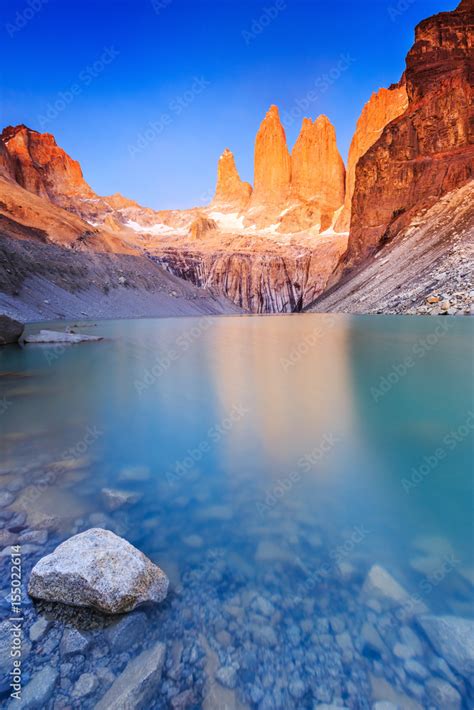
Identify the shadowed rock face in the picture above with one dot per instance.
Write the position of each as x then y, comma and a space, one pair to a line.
428, 150
272, 162
231, 191
382, 107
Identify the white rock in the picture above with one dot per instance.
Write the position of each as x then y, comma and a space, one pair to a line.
380, 585
115, 499
53, 336
98, 569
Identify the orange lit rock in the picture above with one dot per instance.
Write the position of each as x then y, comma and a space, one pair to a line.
42, 167
272, 162
428, 150
382, 107
317, 169
231, 190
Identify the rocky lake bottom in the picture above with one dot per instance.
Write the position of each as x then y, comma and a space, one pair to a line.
306, 484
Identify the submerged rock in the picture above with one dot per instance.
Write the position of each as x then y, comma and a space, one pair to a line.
53, 336
98, 569
39, 690
10, 330
453, 639
138, 684
115, 499
380, 585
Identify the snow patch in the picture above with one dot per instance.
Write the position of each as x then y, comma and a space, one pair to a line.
229, 222
158, 229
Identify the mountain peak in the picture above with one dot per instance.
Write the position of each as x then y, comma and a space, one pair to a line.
272, 163
317, 168
230, 189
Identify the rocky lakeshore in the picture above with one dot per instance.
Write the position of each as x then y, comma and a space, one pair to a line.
315, 624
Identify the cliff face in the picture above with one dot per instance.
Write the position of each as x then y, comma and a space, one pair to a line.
231, 191
272, 162
382, 108
42, 167
428, 150
317, 169
260, 279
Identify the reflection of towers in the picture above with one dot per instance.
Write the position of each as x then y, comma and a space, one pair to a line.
291, 373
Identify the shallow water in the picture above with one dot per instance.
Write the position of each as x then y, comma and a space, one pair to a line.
279, 459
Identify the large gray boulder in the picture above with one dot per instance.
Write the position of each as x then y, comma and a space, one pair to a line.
138, 684
10, 330
98, 569
453, 639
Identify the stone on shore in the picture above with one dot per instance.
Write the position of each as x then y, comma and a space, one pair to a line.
53, 336
98, 569
138, 684
453, 639
10, 330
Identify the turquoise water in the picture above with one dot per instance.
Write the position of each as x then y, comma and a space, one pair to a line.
279, 458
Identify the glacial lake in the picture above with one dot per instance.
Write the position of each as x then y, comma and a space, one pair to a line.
278, 459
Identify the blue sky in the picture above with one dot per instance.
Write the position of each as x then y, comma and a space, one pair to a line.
147, 94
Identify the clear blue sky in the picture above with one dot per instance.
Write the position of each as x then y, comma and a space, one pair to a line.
147, 94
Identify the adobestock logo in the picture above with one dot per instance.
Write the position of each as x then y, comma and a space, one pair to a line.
84, 79
154, 129
23, 17
268, 16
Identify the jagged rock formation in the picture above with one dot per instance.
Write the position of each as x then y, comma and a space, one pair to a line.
42, 167
272, 163
428, 150
382, 108
231, 191
317, 169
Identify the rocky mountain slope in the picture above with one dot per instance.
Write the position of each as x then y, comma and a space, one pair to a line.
55, 264
280, 244
428, 268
